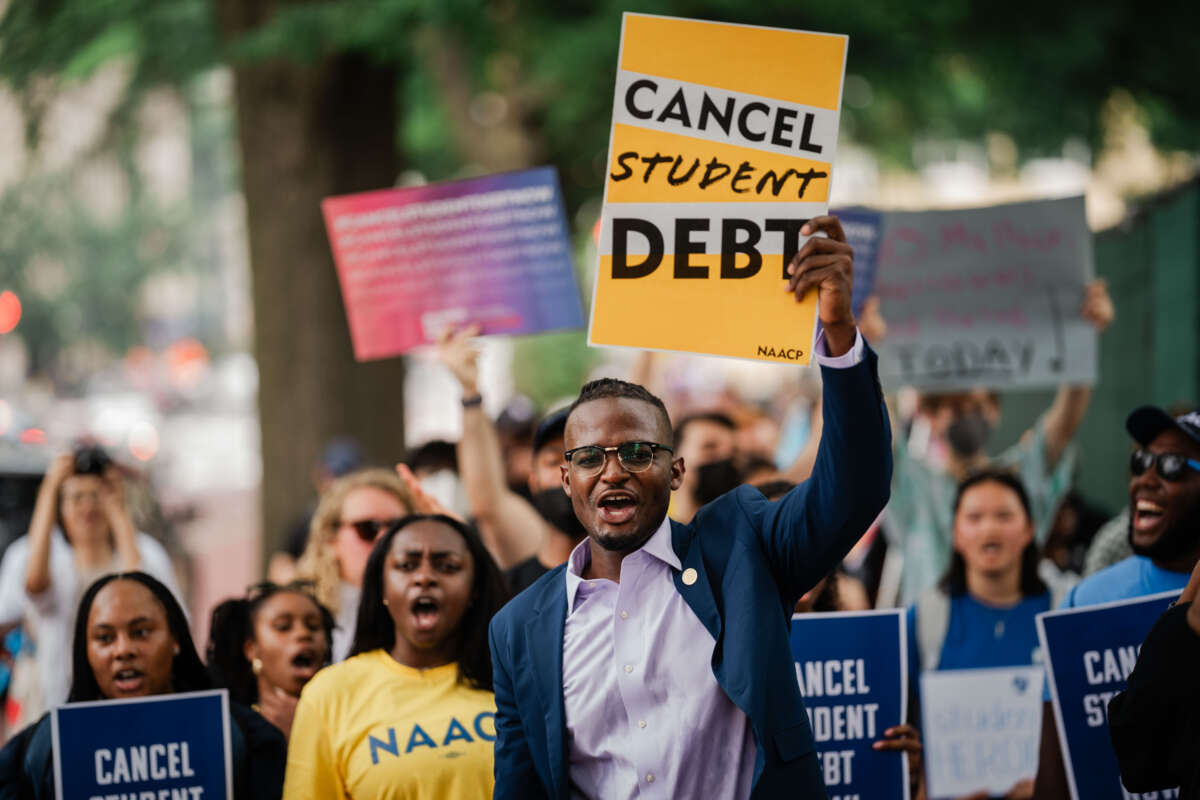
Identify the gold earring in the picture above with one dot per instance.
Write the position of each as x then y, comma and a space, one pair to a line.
256, 666
385, 601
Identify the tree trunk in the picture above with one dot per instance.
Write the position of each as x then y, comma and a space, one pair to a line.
308, 131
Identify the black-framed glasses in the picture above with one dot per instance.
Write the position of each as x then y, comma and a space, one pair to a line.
633, 456
1171, 466
368, 529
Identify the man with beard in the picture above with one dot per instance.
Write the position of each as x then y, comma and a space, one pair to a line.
1164, 531
656, 662
526, 539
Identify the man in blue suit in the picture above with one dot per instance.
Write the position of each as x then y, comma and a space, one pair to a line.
655, 662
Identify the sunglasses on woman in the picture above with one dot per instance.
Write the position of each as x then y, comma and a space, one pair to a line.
368, 529
1171, 466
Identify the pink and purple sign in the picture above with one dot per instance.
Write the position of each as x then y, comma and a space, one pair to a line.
491, 251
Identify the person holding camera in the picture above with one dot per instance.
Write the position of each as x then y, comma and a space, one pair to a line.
80, 530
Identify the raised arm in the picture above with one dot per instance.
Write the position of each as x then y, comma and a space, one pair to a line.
41, 525
112, 501
814, 525
802, 467
1070, 404
511, 528
874, 329
826, 264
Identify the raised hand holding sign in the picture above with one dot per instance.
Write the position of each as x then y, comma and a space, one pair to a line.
826, 263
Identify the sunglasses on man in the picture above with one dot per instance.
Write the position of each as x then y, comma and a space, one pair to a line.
369, 529
1170, 466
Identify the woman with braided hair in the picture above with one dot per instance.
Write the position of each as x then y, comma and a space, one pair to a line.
266, 646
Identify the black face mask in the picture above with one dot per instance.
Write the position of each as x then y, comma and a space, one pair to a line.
715, 479
968, 434
555, 507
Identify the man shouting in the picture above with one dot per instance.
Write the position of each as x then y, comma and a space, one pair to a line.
655, 662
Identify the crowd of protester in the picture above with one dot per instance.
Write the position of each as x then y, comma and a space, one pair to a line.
378, 610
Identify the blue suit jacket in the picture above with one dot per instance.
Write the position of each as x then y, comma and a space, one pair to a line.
754, 559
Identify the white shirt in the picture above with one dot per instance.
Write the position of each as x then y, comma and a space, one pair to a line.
645, 715
49, 617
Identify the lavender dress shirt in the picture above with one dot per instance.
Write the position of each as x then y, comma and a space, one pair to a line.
645, 716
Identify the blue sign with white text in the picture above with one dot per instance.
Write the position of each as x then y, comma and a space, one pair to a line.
169, 747
863, 229
1089, 653
853, 675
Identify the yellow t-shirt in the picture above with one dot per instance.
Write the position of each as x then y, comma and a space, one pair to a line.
371, 728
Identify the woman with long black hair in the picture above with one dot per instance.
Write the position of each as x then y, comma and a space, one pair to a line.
410, 713
353, 513
132, 640
266, 646
982, 613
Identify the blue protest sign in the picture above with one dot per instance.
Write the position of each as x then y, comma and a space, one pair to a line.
168, 747
853, 674
1089, 653
863, 228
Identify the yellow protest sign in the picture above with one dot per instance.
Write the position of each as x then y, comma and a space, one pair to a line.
721, 148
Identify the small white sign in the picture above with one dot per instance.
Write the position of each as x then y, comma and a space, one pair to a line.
981, 729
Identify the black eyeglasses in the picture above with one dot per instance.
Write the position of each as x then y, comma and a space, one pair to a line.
368, 529
1171, 466
633, 456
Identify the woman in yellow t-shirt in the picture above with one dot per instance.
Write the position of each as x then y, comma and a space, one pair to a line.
410, 714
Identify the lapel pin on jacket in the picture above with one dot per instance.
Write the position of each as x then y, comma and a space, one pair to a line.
689, 576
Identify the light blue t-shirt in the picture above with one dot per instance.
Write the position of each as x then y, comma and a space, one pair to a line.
1136, 576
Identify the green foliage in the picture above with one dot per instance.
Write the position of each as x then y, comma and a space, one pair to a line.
96, 270
425, 132
943, 68
937, 69
380, 28
551, 366
79, 278
170, 40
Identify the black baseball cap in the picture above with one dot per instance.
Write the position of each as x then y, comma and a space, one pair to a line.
551, 427
1146, 422
517, 418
